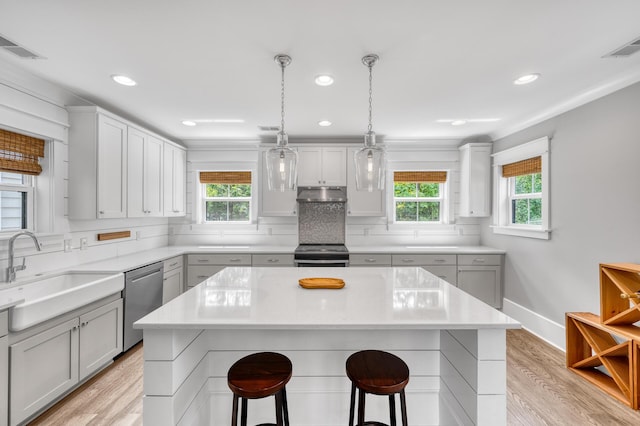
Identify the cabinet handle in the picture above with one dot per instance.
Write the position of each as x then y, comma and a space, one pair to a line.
235, 259
173, 264
479, 260
370, 260
273, 260
164, 279
440, 260
442, 276
101, 212
407, 260
202, 276
75, 327
203, 260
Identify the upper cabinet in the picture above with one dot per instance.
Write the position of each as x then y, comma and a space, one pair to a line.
361, 203
144, 176
275, 203
475, 180
117, 170
322, 166
174, 169
97, 165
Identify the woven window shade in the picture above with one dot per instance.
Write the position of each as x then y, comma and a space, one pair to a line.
417, 177
19, 153
225, 177
524, 167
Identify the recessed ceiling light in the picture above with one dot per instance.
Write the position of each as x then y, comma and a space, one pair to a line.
458, 122
324, 80
227, 120
324, 123
526, 79
124, 80
189, 123
461, 121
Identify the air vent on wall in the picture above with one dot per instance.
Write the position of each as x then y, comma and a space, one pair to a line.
269, 128
626, 50
20, 51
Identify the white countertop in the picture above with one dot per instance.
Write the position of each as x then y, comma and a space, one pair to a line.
378, 298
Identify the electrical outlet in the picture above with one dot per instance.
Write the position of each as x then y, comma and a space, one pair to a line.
67, 245
83, 243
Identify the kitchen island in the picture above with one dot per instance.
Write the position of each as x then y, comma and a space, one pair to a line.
454, 345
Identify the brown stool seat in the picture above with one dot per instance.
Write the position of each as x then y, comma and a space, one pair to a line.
260, 375
378, 373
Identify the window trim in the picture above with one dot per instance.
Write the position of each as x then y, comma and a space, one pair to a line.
203, 206
198, 217
417, 199
445, 205
29, 189
501, 221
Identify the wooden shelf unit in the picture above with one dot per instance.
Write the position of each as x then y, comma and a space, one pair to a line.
619, 297
590, 345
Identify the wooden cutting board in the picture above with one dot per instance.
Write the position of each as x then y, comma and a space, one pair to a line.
311, 283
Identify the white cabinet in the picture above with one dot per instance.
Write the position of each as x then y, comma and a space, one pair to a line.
441, 265
174, 171
173, 278
275, 203
97, 165
202, 266
362, 203
144, 175
481, 277
322, 166
4, 368
475, 180
46, 365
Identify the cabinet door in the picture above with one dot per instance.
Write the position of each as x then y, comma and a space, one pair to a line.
276, 203
482, 282
100, 337
197, 274
172, 284
4, 380
174, 171
362, 203
310, 166
369, 260
475, 180
112, 168
447, 273
43, 367
144, 176
334, 166
272, 260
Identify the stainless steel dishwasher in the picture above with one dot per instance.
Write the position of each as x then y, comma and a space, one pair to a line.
142, 294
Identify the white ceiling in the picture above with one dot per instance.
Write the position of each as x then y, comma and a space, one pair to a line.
439, 59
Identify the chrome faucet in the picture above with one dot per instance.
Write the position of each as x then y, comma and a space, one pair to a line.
11, 270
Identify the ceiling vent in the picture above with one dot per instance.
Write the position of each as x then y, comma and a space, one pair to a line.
626, 50
269, 128
20, 51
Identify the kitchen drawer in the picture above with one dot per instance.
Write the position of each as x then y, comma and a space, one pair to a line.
423, 259
4, 323
369, 260
479, 259
272, 260
198, 273
219, 259
448, 273
173, 263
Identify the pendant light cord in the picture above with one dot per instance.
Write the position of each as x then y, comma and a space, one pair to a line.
282, 100
370, 96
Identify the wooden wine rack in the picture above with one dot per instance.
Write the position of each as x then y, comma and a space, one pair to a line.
610, 341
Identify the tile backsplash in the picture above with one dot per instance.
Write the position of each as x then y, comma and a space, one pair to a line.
321, 223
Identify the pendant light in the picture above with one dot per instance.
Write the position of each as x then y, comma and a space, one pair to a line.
370, 159
282, 161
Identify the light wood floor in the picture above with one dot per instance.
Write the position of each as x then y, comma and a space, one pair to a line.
541, 391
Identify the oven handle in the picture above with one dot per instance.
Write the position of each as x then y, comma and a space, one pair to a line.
325, 261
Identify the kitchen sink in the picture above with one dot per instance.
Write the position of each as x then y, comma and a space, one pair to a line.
48, 296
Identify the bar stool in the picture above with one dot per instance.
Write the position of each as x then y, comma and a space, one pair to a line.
257, 376
379, 373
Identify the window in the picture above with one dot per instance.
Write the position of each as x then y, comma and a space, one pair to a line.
521, 178
19, 156
226, 196
418, 196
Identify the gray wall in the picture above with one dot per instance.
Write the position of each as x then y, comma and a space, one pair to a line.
595, 207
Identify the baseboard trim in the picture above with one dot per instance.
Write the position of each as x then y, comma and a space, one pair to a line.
549, 331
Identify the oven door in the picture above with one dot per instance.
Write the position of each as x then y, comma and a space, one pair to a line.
337, 263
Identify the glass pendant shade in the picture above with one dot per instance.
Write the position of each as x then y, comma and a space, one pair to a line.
370, 163
282, 165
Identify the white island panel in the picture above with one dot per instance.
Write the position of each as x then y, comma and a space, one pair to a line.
402, 310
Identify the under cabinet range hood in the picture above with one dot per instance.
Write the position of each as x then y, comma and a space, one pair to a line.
322, 194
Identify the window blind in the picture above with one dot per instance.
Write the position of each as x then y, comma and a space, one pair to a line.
523, 167
232, 178
20, 153
420, 176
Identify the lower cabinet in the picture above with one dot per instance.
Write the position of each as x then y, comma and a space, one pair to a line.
202, 266
481, 277
272, 260
4, 368
173, 279
46, 365
360, 260
441, 265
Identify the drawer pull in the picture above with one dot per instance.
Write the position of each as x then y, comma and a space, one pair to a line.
203, 260
203, 276
370, 260
479, 260
235, 259
440, 260
273, 260
407, 260
173, 264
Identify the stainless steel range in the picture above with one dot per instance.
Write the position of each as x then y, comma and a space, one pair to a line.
321, 227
